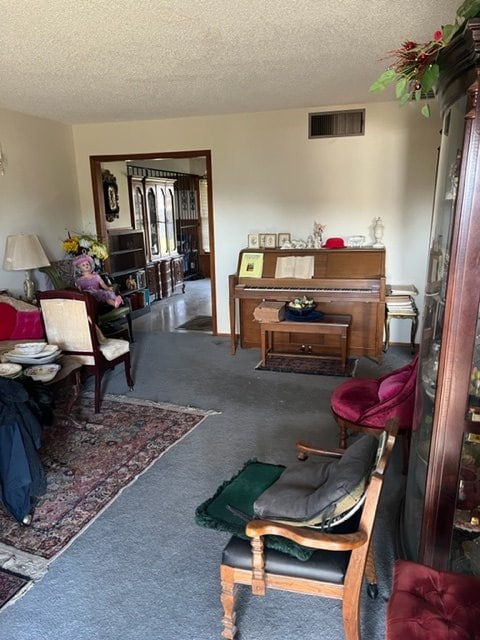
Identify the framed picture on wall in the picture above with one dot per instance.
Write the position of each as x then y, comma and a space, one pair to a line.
270, 240
110, 194
253, 241
283, 238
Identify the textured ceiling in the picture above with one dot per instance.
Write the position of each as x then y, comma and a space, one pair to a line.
89, 61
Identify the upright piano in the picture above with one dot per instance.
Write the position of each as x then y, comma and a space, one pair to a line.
347, 281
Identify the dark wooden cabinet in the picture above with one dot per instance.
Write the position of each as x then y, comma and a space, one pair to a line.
154, 284
127, 267
165, 271
153, 211
440, 518
178, 280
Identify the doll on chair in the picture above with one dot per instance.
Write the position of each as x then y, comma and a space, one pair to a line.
91, 282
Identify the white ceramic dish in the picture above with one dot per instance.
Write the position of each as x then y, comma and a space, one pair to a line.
43, 373
32, 359
9, 370
29, 348
47, 350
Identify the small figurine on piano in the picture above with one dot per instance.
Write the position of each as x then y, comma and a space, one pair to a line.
318, 230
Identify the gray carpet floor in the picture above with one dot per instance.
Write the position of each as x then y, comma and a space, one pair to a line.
144, 570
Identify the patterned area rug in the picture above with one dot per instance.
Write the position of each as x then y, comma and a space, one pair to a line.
199, 323
89, 459
314, 366
12, 586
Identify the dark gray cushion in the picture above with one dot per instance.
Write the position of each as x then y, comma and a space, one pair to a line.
317, 491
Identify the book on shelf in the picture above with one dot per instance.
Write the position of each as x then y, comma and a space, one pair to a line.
400, 304
402, 290
398, 300
295, 267
251, 265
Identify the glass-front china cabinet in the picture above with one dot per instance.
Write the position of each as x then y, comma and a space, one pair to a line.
440, 524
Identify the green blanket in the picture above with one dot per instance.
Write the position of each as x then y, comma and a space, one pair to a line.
240, 492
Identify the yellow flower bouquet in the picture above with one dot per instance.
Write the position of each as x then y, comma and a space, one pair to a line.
91, 245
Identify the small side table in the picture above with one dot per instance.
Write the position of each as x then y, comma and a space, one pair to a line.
68, 376
401, 308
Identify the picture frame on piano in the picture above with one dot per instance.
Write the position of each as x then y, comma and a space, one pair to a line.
283, 238
270, 241
261, 241
253, 241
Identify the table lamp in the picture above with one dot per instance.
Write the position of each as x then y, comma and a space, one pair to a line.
24, 253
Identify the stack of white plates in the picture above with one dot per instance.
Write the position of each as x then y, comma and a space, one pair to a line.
49, 353
8, 370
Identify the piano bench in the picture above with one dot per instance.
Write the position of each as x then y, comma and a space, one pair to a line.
336, 325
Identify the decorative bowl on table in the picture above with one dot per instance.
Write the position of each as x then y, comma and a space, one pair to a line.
301, 306
29, 348
9, 370
43, 372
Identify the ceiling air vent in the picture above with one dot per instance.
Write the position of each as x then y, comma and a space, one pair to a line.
334, 124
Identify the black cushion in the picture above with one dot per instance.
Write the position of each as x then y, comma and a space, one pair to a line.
324, 565
318, 491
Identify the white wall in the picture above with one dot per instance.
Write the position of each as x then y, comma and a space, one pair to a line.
267, 176
39, 192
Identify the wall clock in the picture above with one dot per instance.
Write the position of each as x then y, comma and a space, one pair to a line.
110, 195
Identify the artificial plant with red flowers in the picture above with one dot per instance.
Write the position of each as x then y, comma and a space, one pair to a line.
415, 68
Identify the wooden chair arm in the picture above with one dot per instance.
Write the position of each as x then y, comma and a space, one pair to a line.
307, 537
306, 449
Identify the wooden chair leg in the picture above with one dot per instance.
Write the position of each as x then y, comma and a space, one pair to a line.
130, 327
98, 387
228, 599
371, 573
127, 374
343, 435
351, 613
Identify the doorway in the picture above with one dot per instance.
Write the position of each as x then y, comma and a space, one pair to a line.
97, 164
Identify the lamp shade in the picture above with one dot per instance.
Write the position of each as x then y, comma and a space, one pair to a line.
24, 252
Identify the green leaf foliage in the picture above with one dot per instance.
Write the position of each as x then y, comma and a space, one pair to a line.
416, 64
430, 77
426, 110
401, 87
469, 9
383, 81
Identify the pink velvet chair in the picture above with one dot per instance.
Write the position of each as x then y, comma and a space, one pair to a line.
426, 603
366, 404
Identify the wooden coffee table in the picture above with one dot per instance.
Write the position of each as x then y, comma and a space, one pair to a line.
336, 325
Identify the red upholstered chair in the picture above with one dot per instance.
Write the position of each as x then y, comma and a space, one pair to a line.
427, 604
366, 404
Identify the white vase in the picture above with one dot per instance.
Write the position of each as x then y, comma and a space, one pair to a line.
378, 233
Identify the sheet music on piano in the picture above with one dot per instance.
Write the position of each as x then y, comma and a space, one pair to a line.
295, 267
